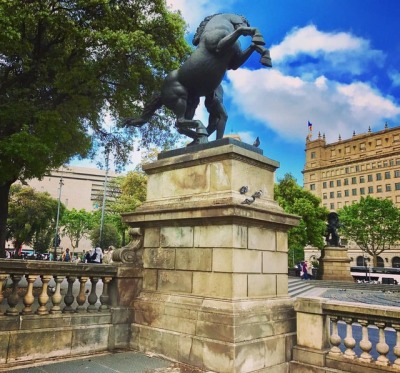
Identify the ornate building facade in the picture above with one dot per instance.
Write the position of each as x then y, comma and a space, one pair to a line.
342, 172
366, 164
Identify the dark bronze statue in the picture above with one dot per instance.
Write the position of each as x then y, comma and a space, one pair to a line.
218, 50
332, 236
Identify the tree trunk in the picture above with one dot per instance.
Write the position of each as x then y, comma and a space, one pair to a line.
374, 260
4, 194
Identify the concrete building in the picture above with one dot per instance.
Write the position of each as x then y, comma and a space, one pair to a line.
341, 172
82, 188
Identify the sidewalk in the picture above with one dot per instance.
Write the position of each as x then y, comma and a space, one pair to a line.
121, 362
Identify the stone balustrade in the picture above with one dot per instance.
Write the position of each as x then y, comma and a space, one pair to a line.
343, 337
42, 288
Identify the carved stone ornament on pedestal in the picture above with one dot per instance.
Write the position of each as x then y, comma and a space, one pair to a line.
133, 251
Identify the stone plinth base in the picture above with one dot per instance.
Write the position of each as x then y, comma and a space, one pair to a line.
335, 264
215, 287
217, 335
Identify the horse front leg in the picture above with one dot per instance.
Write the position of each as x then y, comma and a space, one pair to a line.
265, 56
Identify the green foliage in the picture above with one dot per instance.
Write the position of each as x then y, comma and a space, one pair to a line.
372, 223
63, 65
31, 217
295, 200
76, 225
109, 236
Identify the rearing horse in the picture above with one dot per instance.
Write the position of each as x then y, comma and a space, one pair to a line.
218, 50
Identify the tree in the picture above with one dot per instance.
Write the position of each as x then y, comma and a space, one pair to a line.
76, 225
372, 223
109, 236
63, 65
295, 200
32, 217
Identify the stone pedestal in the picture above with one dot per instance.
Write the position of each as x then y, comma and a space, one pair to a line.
215, 288
335, 264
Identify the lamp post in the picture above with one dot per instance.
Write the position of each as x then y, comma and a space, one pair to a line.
104, 199
56, 236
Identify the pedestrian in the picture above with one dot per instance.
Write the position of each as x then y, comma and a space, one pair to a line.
97, 256
108, 255
309, 270
66, 256
305, 273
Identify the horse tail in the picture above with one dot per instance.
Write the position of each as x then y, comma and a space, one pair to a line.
148, 111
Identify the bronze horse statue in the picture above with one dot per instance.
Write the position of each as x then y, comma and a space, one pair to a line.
218, 50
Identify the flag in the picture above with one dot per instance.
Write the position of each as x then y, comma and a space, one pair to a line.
309, 126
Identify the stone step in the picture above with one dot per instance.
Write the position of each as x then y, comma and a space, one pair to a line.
296, 286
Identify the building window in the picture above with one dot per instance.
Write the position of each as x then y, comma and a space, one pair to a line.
332, 206
387, 175
362, 191
324, 184
397, 173
378, 176
346, 192
370, 189
338, 183
370, 178
331, 184
362, 179
357, 168
385, 164
388, 188
339, 194
391, 162
397, 186
379, 188
313, 155
324, 196
312, 187
346, 181
354, 192
332, 195
354, 180
347, 170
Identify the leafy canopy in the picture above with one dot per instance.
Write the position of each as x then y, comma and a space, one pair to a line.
64, 64
372, 223
295, 200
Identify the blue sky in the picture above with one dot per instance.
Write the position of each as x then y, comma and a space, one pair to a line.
336, 63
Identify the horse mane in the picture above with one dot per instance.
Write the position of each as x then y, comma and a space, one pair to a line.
200, 29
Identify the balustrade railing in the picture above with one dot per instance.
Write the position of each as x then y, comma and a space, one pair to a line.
350, 332
42, 288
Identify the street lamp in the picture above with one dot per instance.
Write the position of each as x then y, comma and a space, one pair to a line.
56, 236
104, 199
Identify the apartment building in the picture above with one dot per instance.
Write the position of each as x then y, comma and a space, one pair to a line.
342, 172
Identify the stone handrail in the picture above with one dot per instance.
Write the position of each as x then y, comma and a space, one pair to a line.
52, 287
318, 321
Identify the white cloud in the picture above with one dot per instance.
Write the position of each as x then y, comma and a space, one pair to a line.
315, 52
285, 103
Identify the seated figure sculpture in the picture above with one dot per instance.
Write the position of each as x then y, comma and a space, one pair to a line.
332, 236
218, 50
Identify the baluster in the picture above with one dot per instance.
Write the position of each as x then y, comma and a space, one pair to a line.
57, 297
349, 341
104, 297
92, 298
382, 347
81, 298
29, 297
13, 298
365, 343
69, 297
44, 297
335, 338
396, 349
3, 278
